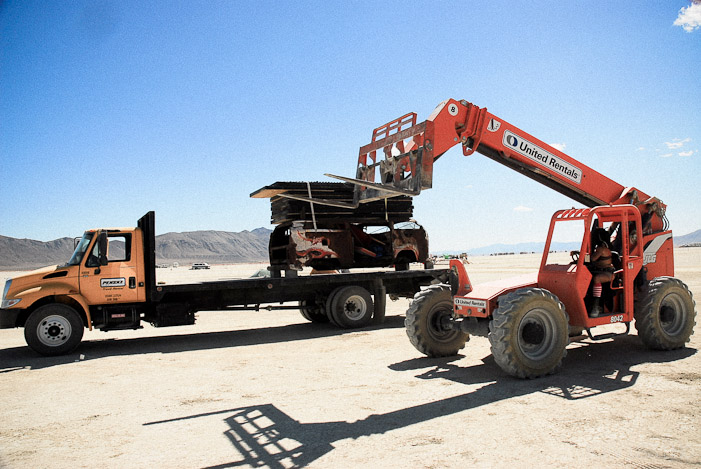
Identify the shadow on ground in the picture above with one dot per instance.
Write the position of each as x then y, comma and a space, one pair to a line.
22, 358
263, 435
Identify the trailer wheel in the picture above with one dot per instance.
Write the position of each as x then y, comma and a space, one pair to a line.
312, 312
425, 320
529, 332
665, 317
53, 329
351, 307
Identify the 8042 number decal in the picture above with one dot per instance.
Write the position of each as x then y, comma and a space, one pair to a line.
617, 318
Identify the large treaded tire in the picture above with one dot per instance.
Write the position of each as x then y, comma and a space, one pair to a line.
665, 317
424, 320
529, 333
53, 329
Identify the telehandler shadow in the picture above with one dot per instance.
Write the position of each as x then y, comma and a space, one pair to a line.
22, 358
264, 436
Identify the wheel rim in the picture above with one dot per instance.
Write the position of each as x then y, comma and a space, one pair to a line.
672, 314
435, 326
54, 330
355, 307
535, 334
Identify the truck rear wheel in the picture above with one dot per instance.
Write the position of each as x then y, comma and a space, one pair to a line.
665, 317
53, 329
351, 307
529, 333
328, 303
312, 312
425, 323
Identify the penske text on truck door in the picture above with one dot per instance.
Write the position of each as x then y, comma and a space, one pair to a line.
110, 272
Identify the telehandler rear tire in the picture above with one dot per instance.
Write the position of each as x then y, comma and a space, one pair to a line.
665, 317
529, 333
424, 323
53, 329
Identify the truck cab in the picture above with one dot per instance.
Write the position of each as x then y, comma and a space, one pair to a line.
102, 286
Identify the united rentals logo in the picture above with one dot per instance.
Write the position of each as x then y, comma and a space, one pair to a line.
113, 282
470, 302
542, 157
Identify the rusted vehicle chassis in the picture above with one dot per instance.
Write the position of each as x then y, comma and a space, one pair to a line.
349, 245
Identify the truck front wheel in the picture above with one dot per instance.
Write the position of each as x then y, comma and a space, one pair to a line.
53, 329
529, 333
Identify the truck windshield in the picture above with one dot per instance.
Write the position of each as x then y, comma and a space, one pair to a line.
80, 249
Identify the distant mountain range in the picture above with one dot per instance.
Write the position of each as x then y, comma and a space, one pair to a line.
690, 239
222, 247
196, 246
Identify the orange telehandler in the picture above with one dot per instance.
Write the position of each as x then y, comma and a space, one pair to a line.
529, 320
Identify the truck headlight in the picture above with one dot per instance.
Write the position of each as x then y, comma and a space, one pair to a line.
7, 303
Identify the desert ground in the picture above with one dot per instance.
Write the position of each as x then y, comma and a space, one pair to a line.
268, 389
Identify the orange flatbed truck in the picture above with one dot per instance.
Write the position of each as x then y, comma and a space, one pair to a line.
110, 283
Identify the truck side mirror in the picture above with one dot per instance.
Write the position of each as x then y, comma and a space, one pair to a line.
102, 248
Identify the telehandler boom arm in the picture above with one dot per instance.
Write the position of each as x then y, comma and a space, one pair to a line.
410, 149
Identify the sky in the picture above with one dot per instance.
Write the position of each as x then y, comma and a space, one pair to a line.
109, 109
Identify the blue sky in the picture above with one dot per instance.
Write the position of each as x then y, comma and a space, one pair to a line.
109, 109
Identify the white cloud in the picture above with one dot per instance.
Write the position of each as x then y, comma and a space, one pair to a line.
686, 153
641, 149
676, 143
689, 17
667, 155
559, 146
522, 208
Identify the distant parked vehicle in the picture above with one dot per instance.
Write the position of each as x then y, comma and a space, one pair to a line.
199, 265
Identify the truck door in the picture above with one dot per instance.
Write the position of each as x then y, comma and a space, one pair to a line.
109, 273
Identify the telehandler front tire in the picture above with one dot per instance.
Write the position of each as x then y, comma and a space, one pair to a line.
424, 323
53, 329
665, 317
529, 333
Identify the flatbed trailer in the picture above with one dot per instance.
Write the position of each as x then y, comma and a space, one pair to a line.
110, 284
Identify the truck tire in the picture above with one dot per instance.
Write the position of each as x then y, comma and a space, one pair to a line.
328, 303
665, 317
312, 312
351, 307
528, 333
53, 329
424, 323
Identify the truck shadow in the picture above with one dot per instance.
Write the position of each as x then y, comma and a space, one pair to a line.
22, 358
264, 436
